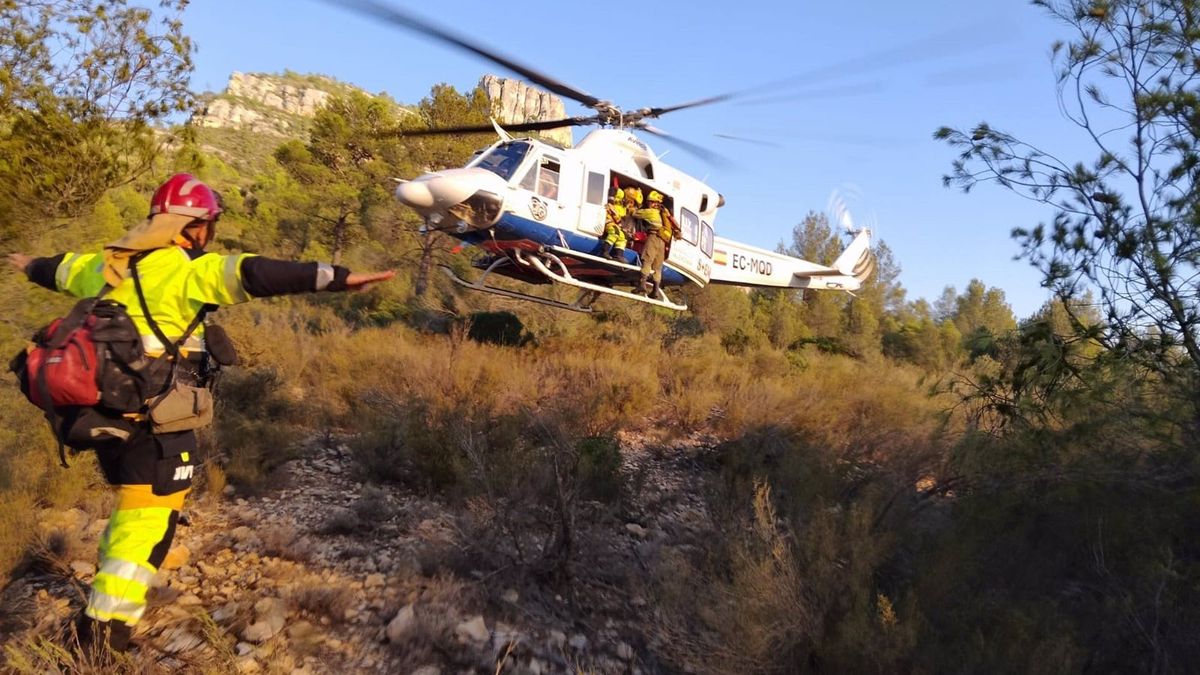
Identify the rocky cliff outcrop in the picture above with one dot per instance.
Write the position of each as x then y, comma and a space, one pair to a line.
270, 104
295, 100
280, 105
516, 102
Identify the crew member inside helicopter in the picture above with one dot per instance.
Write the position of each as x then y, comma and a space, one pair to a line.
633, 202
614, 235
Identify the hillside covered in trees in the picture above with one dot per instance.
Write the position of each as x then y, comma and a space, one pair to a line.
885, 484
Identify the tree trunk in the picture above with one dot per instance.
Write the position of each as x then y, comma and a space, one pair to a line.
422, 282
558, 554
339, 239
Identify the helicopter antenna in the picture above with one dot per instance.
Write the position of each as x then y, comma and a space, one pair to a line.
504, 135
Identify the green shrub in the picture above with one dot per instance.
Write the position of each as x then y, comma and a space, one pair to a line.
736, 342
599, 468
498, 328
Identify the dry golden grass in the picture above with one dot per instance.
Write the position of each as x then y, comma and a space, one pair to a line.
319, 599
16, 529
214, 480
46, 656
284, 541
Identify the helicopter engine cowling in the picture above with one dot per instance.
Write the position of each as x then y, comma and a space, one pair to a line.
472, 197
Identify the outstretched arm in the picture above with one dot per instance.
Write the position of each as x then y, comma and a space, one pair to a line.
358, 281
19, 260
264, 277
41, 271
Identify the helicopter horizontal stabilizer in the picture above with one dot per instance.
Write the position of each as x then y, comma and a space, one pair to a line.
744, 265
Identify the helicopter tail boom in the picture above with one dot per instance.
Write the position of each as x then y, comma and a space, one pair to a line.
744, 265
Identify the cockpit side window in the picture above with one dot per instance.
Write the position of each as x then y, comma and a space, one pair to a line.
595, 188
505, 159
547, 185
530, 178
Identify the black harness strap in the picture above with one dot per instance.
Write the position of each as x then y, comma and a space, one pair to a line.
172, 348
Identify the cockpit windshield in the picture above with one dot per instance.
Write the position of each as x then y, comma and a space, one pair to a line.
504, 159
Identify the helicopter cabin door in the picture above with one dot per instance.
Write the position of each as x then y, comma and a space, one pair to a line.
591, 207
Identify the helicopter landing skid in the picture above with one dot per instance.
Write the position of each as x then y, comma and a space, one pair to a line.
579, 255
578, 306
562, 275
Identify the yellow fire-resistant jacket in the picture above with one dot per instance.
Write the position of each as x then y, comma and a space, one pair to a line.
175, 286
613, 214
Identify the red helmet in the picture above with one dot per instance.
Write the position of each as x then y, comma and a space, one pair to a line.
185, 195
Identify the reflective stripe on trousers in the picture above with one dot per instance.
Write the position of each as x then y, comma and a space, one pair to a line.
131, 549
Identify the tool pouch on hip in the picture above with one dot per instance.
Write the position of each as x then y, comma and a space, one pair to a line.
181, 408
220, 347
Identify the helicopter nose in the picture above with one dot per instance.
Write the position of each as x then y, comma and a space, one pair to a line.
472, 196
415, 194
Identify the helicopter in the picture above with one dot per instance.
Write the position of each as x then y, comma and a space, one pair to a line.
537, 209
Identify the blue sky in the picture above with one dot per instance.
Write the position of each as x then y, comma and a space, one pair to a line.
882, 77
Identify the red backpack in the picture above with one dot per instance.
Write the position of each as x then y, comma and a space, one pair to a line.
62, 367
85, 371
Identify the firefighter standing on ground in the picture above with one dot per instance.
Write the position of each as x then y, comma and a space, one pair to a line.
661, 229
152, 472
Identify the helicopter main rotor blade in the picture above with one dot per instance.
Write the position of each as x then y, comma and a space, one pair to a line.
392, 15
953, 42
746, 139
699, 151
488, 128
841, 91
655, 112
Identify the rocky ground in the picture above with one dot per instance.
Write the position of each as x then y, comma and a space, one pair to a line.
326, 574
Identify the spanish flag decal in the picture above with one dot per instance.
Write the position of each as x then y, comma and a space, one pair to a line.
719, 257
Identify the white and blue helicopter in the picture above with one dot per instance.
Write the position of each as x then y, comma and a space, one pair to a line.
538, 209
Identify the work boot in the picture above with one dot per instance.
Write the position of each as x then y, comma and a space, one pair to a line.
100, 641
640, 288
653, 292
618, 254
100, 634
605, 251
